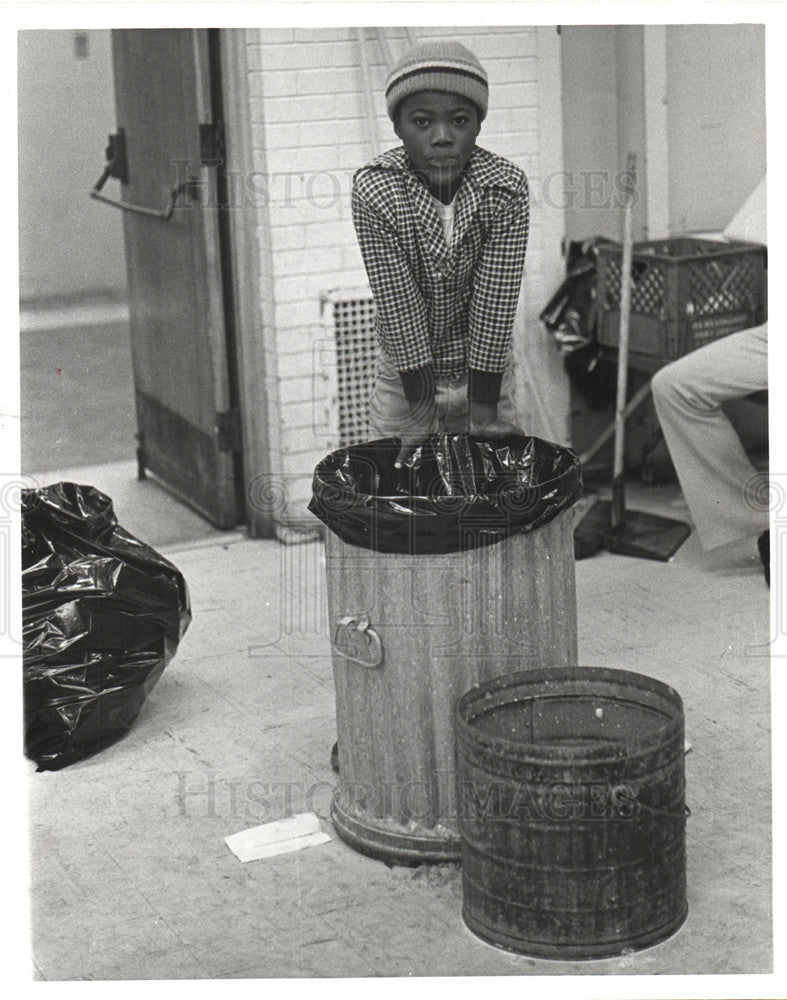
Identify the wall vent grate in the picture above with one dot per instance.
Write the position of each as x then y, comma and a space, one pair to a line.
356, 346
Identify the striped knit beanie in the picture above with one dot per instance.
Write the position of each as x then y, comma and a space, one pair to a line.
439, 65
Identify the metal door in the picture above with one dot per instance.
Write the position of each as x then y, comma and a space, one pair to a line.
166, 155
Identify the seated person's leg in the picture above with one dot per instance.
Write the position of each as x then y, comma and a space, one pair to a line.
710, 461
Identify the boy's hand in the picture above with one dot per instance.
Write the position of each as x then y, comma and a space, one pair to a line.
422, 424
484, 422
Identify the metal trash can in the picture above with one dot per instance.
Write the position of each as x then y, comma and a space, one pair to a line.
411, 632
572, 811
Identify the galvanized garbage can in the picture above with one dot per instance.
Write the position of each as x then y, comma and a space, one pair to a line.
572, 811
411, 632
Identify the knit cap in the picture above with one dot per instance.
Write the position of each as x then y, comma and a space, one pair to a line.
438, 65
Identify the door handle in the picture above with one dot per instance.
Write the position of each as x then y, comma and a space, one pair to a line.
117, 166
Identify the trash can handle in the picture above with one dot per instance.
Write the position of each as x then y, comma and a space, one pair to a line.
374, 644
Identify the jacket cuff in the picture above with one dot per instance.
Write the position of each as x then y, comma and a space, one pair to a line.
484, 387
418, 383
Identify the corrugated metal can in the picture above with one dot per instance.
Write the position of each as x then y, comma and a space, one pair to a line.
572, 813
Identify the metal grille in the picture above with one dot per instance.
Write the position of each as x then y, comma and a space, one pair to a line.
353, 324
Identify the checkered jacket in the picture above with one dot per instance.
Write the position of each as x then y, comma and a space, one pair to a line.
444, 310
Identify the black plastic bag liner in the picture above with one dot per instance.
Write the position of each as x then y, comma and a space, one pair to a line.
459, 492
102, 615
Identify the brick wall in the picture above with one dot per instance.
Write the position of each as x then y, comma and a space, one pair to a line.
311, 132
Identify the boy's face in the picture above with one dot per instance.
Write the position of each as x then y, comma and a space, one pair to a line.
438, 131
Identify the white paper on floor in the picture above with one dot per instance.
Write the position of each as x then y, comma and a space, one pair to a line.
280, 837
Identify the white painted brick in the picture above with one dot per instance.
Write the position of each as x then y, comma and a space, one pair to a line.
519, 42
517, 94
304, 463
512, 145
284, 238
310, 81
256, 110
253, 58
279, 135
300, 445
336, 107
307, 341
315, 54
277, 83
330, 234
268, 37
511, 120
294, 262
312, 35
298, 364
258, 85
298, 314
500, 71
319, 159
289, 314
301, 414
307, 286
323, 133
303, 388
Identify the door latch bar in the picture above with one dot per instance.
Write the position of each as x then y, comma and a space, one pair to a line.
117, 167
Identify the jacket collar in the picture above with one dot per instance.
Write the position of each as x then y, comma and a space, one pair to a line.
482, 171
483, 168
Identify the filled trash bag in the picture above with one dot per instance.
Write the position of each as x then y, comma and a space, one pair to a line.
102, 615
457, 493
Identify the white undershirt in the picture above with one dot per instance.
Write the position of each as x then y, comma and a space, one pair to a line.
446, 215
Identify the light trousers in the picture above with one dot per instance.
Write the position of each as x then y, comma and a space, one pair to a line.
716, 476
389, 411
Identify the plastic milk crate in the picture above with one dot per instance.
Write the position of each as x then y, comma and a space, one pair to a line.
685, 293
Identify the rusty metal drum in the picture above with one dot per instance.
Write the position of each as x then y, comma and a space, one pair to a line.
571, 795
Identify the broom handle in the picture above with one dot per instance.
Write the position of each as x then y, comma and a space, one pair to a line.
618, 472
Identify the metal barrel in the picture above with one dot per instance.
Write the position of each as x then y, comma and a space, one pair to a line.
572, 811
410, 634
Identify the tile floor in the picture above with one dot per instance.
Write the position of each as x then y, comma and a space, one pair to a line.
131, 878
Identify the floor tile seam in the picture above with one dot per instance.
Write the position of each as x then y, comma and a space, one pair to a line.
155, 911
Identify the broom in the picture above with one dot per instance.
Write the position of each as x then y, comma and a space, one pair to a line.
631, 533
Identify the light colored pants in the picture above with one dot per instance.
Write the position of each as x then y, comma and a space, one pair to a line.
716, 476
389, 411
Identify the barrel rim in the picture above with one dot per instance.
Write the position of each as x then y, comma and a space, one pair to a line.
575, 950
596, 752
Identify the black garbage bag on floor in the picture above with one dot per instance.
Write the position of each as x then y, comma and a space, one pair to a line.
458, 493
102, 615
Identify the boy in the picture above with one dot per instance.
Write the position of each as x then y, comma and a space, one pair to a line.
442, 226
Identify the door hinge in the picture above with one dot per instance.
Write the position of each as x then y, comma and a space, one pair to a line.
228, 430
211, 143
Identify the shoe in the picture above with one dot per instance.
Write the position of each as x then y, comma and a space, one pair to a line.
764, 548
335, 756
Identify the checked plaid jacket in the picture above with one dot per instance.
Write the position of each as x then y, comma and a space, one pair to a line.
440, 310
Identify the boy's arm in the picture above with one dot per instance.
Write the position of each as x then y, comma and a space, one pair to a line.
401, 309
496, 283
